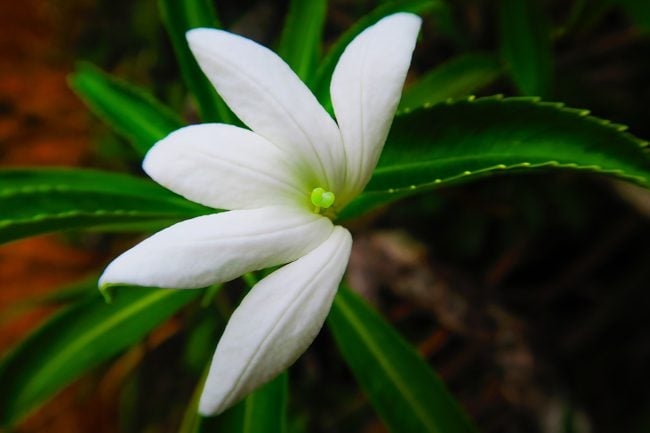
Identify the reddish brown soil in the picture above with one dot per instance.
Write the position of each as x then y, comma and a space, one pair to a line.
41, 123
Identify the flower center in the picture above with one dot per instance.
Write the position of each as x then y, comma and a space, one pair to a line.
322, 199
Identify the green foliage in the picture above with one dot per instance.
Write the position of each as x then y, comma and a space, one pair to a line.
78, 339
321, 81
404, 391
36, 201
465, 140
639, 12
461, 76
302, 35
526, 46
133, 112
265, 410
453, 141
179, 17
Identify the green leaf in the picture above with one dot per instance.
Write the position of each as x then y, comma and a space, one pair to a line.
302, 35
179, 17
133, 112
639, 12
265, 410
402, 388
461, 76
321, 82
64, 295
78, 339
526, 46
36, 201
465, 140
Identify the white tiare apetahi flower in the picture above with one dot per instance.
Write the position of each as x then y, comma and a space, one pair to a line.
282, 181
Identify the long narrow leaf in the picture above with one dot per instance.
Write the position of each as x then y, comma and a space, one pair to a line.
526, 46
133, 112
302, 35
265, 410
465, 140
179, 17
320, 83
76, 340
36, 201
404, 391
461, 76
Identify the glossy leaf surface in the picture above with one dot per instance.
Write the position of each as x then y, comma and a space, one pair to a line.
133, 112
321, 82
526, 46
459, 77
402, 388
179, 17
465, 140
36, 201
265, 410
302, 35
77, 339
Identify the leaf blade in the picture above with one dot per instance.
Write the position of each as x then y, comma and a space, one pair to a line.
321, 81
131, 111
466, 140
45, 361
302, 34
264, 410
526, 46
404, 391
36, 201
459, 77
179, 17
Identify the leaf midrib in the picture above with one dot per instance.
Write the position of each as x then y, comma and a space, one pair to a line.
92, 333
391, 373
449, 159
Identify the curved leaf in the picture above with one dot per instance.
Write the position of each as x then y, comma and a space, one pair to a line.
464, 140
133, 112
265, 410
526, 45
404, 391
321, 82
179, 17
78, 339
302, 35
457, 78
36, 201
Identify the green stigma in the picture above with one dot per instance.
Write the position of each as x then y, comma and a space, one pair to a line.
322, 199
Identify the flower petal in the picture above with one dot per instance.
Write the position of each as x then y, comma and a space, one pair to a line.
225, 167
366, 87
270, 98
275, 323
217, 248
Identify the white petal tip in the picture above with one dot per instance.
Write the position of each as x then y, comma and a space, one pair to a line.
105, 279
207, 407
275, 323
401, 22
195, 36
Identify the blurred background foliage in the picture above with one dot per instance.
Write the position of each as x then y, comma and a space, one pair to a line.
527, 293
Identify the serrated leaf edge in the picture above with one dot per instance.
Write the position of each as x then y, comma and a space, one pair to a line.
583, 114
505, 168
79, 213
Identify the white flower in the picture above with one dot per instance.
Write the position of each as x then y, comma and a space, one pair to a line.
285, 179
